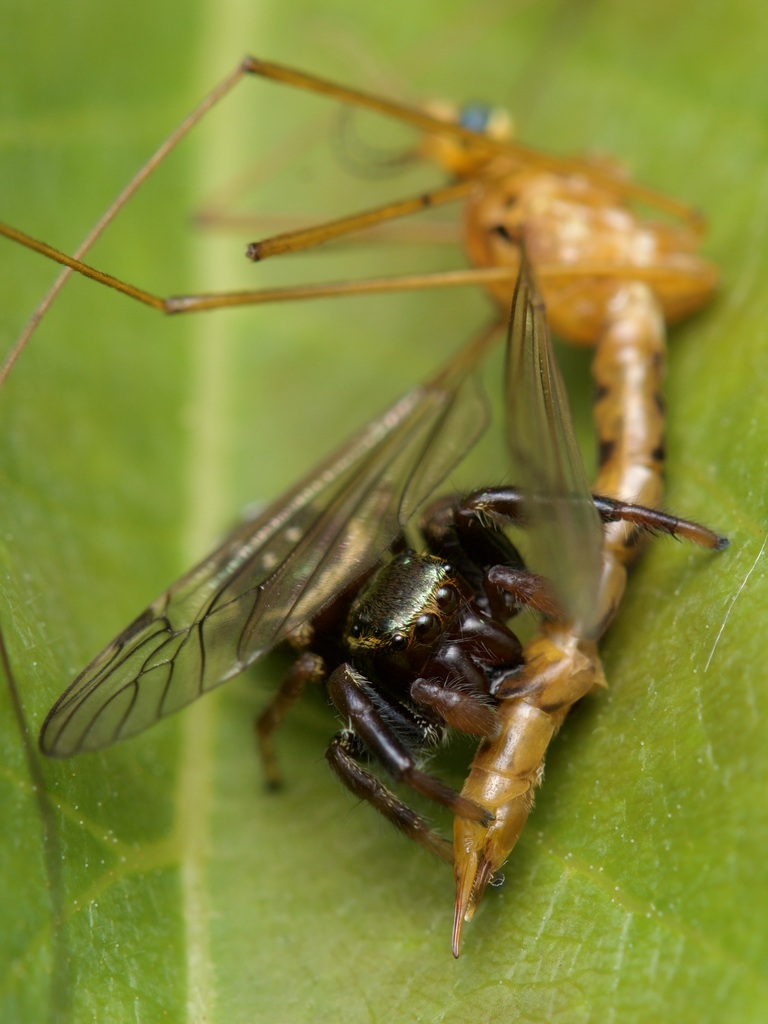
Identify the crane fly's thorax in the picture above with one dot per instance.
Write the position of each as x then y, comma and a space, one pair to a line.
584, 243
403, 614
459, 158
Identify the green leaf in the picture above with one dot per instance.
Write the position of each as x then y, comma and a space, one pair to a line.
157, 881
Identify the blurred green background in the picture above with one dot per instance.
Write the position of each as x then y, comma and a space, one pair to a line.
157, 881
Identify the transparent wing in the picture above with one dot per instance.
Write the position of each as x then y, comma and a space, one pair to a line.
564, 535
278, 570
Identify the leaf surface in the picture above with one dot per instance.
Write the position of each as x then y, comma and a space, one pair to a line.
157, 881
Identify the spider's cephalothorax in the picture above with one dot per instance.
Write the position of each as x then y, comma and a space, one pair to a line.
401, 616
407, 605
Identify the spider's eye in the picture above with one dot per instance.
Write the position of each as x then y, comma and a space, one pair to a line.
360, 625
399, 642
447, 600
406, 557
427, 628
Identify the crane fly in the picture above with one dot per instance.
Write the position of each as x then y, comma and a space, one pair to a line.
496, 176
301, 571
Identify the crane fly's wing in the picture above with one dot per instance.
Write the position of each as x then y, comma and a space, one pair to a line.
565, 544
274, 572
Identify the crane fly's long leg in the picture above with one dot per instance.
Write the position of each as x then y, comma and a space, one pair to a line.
279, 73
650, 273
426, 123
175, 304
114, 208
308, 238
335, 289
221, 300
682, 287
390, 232
307, 668
342, 756
75, 262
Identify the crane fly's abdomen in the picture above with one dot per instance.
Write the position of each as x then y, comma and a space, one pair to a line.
628, 371
560, 669
601, 294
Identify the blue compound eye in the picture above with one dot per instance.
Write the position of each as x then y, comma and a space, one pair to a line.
495, 122
475, 117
